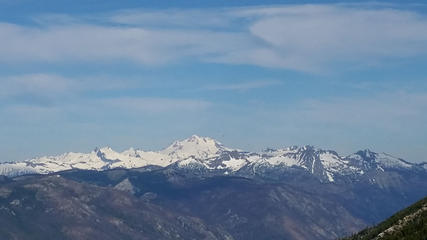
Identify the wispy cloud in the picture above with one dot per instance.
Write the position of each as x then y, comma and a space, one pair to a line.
179, 18
392, 111
320, 35
298, 37
87, 110
35, 92
244, 86
38, 88
39, 84
106, 43
155, 105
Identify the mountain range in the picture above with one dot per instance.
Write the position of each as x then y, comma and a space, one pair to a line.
199, 189
204, 153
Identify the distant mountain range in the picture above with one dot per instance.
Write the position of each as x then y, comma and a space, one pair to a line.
199, 189
203, 153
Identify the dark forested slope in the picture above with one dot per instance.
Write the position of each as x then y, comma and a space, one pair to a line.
408, 224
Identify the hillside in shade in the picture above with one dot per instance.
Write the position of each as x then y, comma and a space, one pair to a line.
408, 224
135, 205
51, 207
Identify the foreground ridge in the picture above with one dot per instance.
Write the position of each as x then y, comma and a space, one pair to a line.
407, 224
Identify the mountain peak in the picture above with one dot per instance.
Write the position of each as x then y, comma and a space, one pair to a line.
196, 138
325, 164
367, 155
372, 159
196, 146
367, 152
106, 149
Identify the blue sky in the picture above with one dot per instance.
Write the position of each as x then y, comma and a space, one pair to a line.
252, 74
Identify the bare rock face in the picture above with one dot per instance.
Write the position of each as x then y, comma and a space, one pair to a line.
126, 186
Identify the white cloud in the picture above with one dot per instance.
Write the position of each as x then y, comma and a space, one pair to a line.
155, 105
34, 84
221, 18
244, 85
89, 110
299, 37
104, 43
52, 87
391, 111
42, 93
319, 35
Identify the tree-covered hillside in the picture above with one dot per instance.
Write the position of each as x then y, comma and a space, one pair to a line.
408, 224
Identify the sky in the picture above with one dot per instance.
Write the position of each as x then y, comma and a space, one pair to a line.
341, 75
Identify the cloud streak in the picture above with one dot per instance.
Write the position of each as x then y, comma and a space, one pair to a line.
318, 35
155, 105
39, 84
391, 111
244, 86
106, 43
307, 38
89, 109
54, 87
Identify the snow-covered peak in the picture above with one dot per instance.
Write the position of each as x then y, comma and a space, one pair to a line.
195, 146
107, 153
365, 154
370, 154
103, 149
368, 159
308, 147
208, 153
286, 150
389, 161
131, 152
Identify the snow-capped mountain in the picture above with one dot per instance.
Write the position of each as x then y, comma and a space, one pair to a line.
208, 154
107, 158
196, 147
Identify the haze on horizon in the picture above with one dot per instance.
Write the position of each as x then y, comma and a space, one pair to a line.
337, 75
